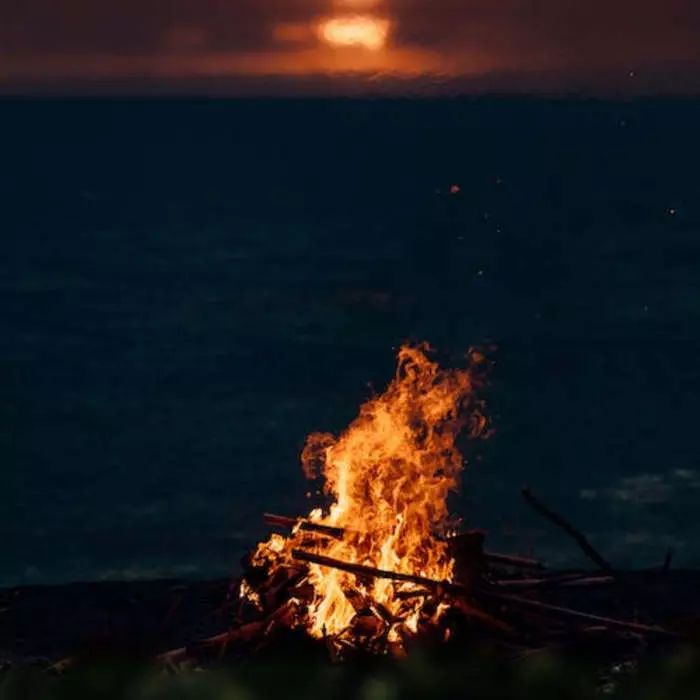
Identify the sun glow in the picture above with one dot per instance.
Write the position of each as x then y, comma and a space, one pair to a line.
362, 31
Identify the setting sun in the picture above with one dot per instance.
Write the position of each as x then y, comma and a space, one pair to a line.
355, 30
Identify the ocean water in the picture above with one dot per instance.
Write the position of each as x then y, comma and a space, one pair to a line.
189, 288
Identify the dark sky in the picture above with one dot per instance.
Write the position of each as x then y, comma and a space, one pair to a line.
618, 46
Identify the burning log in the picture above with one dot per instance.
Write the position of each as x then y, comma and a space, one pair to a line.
372, 572
407, 595
283, 521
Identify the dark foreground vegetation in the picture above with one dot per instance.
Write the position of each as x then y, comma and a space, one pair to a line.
540, 676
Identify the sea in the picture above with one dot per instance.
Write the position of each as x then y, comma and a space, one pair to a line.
190, 287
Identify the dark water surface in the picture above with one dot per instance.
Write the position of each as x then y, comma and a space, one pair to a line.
187, 289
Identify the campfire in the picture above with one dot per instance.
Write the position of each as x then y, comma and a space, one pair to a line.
367, 563
384, 565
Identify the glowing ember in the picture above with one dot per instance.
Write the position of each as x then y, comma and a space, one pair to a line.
355, 30
388, 477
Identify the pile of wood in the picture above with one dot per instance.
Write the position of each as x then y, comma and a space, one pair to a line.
507, 603
510, 605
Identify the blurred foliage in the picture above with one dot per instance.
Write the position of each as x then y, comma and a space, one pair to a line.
541, 676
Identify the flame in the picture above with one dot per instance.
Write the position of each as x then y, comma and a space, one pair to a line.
355, 30
388, 477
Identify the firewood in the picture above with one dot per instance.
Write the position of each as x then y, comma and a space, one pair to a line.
359, 602
333, 650
367, 625
382, 612
580, 582
575, 614
513, 560
244, 633
306, 525
472, 612
397, 650
370, 571
407, 595
284, 615
304, 592
339, 533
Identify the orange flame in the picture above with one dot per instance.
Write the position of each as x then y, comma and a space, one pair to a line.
388, 475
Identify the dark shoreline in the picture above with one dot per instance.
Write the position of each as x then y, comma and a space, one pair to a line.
48, 623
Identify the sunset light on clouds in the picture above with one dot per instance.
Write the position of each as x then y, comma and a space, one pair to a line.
257, 45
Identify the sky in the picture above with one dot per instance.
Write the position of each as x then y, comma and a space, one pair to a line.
326, 46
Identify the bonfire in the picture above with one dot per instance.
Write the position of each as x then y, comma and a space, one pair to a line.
388, 477
384, 565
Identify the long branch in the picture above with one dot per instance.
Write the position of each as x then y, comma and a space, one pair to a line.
568, 612
528, 583
371, 571
565, 525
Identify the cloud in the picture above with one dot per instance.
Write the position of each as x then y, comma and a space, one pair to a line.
639, 548
688, 475
651, 540
142, 573
646, 489
642, 489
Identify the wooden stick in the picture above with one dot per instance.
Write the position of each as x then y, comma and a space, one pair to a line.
338, 533
407, 595
362, 570
583, 581
283, 521
567, 612
512, 560
667, 559
244, 632
565, 525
